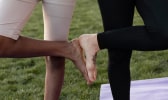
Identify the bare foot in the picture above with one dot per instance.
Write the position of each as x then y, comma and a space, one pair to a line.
78, 59
90, 46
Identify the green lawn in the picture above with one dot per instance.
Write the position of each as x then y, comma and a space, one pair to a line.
23, 79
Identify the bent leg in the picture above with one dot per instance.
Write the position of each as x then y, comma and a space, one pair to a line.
15, 46
151, 36
57, 19
118, 14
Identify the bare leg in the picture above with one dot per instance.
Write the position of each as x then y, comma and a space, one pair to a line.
26, 47
54, 77
90, 46
57, 18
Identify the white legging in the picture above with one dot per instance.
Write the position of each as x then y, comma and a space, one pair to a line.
57, 17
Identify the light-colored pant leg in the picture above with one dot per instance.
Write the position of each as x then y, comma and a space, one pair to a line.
57, 19
13, 16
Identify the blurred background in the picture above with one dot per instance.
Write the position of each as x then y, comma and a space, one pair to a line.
23, 79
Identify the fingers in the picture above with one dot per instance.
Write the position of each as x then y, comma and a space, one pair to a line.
90, 50
80, 59
91, 68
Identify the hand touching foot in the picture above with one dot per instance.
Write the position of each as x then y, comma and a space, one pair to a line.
78, 59
89, 44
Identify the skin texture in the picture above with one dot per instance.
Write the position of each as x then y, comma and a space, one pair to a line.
26, 47
90, 46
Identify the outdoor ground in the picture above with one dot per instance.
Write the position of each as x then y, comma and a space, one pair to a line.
23, 79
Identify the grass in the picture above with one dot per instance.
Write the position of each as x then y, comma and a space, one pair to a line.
23, 79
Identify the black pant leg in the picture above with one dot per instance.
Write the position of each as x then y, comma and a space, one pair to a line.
119, 73
117, 14
153, 35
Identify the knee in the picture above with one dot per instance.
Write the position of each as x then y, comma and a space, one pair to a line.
54, 59
55, 62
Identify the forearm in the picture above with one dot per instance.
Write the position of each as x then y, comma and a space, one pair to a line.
26, 47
